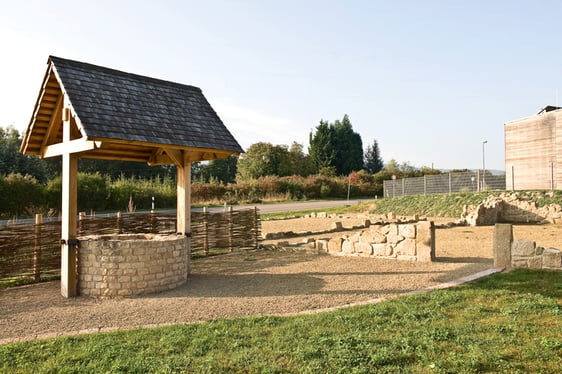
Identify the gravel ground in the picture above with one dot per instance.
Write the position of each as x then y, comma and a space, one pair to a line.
273, 282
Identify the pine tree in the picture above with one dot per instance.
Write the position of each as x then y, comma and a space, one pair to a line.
373, 160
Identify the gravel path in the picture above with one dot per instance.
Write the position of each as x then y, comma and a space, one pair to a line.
252, 283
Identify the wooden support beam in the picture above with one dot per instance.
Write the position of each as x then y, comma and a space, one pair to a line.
70, 146
69, 285
184, 195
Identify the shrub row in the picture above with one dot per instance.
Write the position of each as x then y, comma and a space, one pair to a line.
25, 196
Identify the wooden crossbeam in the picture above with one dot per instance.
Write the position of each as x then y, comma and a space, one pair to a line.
69, 147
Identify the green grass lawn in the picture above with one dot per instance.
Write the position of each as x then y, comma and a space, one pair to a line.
503, 323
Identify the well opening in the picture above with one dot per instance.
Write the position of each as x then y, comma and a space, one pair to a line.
131, 264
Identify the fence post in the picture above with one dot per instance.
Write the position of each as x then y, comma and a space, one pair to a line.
205, 232
256, 228
478, 179
119, 225
425, 184
37, 247
450, 183
230, 230
403, 186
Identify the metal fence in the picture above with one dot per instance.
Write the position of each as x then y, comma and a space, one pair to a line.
31, 252
443, 183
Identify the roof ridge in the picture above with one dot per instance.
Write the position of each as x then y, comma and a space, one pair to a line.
134, 76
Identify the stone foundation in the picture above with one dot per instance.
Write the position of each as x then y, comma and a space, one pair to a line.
412, 242
132, 264
522, 253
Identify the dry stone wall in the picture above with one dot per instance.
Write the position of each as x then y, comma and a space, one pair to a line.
131, 264
412, 242
526, 254
511, 208
510, 254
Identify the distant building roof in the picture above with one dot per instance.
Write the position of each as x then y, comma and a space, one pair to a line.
132, 117
548, 108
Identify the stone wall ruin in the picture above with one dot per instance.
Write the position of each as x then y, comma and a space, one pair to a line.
412, 242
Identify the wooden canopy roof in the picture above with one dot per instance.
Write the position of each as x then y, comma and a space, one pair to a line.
116, 115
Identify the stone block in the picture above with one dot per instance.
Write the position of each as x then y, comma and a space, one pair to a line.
321, 215
322, 245
367, 223
390, 229
391, 215
363, 248
523, 248
373, 237
519, 262
552, 258
407, 231
503, 236
534, 262
382, 250
425, 241
406, 247
335, 245
539, 251
394, 238
337, 226
348, 247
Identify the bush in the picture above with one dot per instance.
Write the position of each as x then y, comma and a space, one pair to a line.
20, 195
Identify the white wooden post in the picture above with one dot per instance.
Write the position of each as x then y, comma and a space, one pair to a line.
69, 286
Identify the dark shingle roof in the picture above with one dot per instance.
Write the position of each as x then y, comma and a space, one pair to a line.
113, 104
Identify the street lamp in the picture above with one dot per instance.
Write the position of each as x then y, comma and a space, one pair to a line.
484, 165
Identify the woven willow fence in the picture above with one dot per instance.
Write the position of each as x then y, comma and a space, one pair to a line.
31, 252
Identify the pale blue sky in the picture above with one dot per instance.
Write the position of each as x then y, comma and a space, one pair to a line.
429, 80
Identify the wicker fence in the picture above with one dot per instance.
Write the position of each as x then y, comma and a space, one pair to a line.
31, 252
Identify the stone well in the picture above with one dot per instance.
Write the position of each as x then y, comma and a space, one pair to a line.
131, 264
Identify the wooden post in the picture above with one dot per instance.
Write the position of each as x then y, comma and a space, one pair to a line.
256, 228
119, 226
69, 285
230, 230
205, 231
183, 216
37, 248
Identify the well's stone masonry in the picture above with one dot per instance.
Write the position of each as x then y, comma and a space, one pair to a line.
131, 264
412, 242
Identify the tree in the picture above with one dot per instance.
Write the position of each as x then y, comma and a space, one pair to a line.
336, 145
13, 162
296, 162
116, 169
373, 160
222, 170
260, 159
322, 148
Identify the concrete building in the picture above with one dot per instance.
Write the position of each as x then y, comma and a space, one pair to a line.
533, 151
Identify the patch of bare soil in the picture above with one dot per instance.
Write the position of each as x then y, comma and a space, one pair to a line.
271, 282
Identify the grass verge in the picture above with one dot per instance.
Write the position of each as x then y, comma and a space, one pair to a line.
451, 205
503, 323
